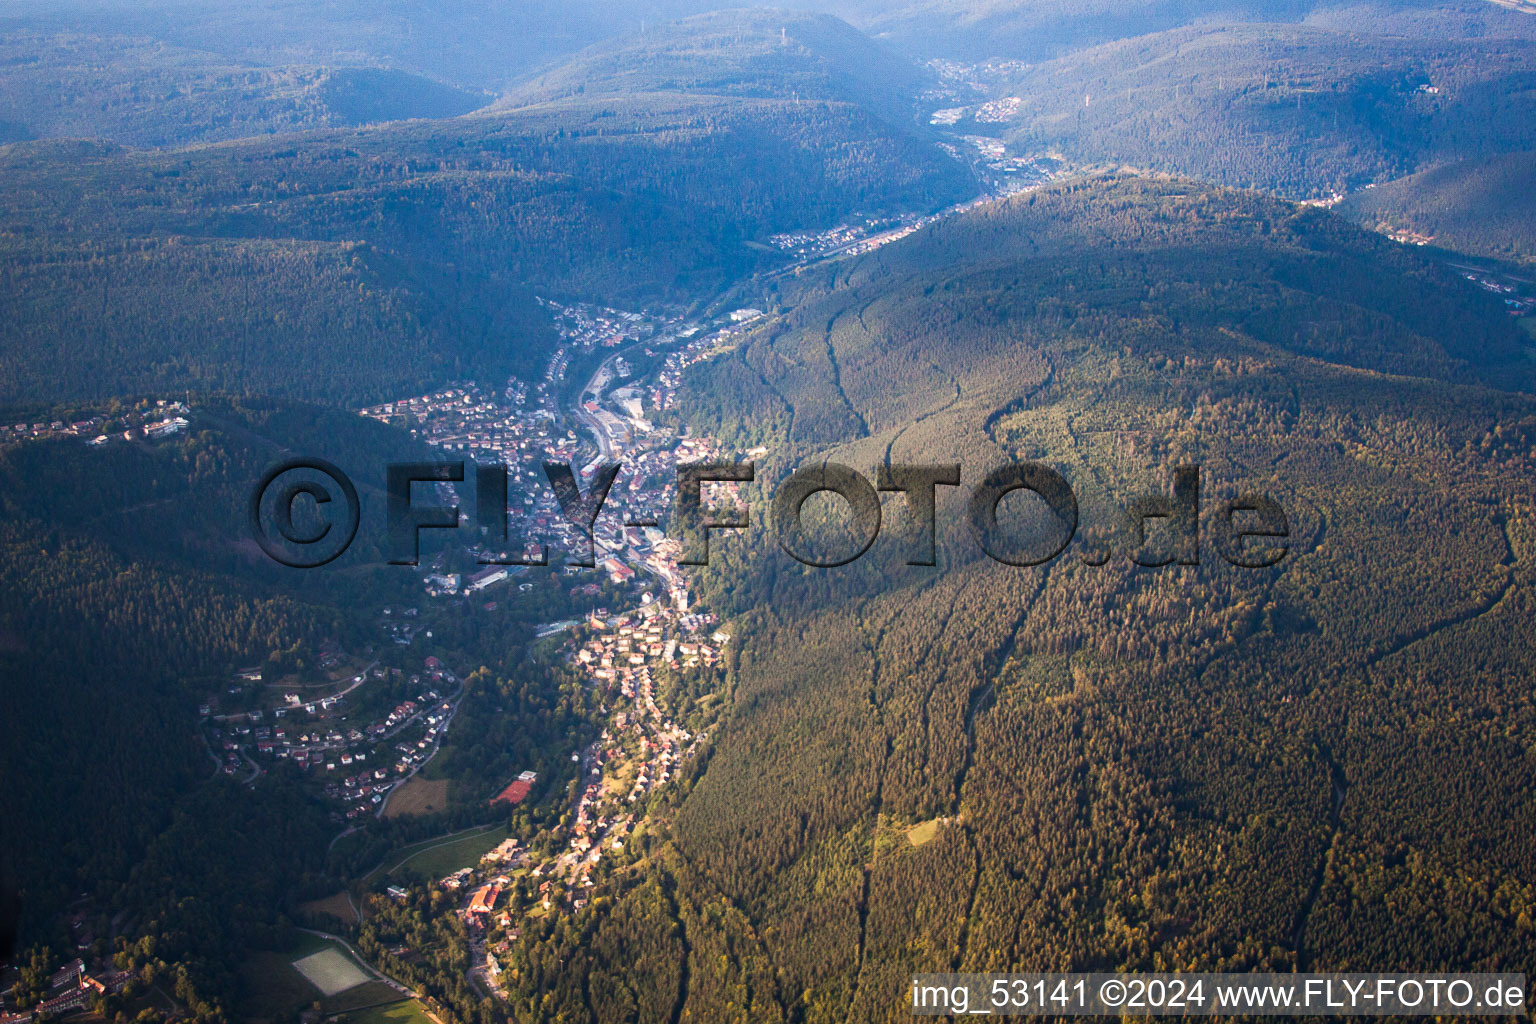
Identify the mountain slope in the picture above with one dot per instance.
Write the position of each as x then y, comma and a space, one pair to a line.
1091, 751
469, 44
130, 593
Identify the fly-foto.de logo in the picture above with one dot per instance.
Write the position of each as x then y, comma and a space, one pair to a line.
305, 512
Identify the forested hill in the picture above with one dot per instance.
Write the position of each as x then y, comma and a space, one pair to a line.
977, 766
344, 266
755, 52
340, 321
1298, 110
139, 92
1486, 207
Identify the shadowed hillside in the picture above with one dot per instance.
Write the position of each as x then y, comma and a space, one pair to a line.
1486, 207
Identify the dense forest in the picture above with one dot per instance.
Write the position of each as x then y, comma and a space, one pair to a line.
456, 41
977, 767
465, 43
1038, 30
321, 320
469, 45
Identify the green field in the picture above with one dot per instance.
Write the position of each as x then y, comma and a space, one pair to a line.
370, 994
437, 857
436, 861
407, 1011
1528, 324
918, 835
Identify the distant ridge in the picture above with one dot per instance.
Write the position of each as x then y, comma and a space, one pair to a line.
752, 53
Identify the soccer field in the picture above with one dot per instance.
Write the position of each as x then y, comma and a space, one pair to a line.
330, 971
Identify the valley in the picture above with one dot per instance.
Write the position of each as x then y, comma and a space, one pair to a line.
552, 773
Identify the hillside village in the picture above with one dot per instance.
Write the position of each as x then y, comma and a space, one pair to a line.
622, 655
153, 419
356, 744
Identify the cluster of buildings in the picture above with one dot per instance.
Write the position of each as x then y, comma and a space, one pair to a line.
162, 419
868, 234
587, 326
1005, 175
356, 765
155, 430
1516, 303
466, 418
522, 432
961, 81
71, 988
628, 644
483, 900
400, 625
697, 345
484, 886
642, 747
998, 111
1009, 174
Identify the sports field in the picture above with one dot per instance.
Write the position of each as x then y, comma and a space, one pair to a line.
330, 971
